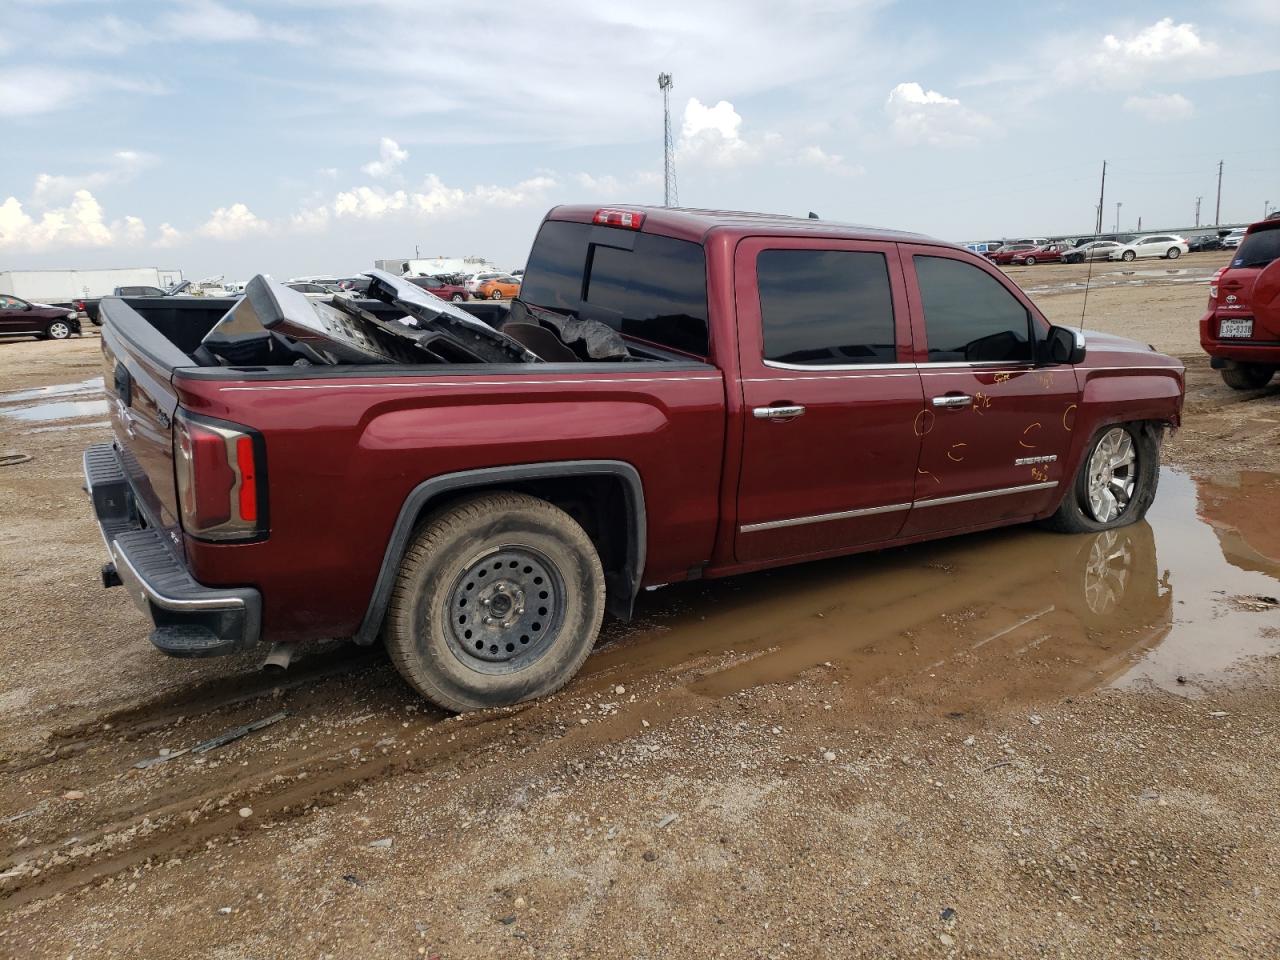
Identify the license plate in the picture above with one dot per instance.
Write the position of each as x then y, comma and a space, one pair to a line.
1236, 328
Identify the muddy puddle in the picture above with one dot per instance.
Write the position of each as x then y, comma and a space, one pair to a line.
1180, 601
87, 388
62, 401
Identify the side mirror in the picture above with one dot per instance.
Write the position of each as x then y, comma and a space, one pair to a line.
1061, 345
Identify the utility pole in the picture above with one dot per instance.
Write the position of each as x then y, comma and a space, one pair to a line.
1266, 208
1139, 224
1198, 199
1102, 192
1217, 210
669, 195
1119, 203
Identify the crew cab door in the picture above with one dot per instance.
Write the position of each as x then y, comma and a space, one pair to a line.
996, 428
830, 396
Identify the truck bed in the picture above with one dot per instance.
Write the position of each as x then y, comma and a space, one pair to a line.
347, 445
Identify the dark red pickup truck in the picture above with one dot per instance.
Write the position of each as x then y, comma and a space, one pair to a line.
699, 394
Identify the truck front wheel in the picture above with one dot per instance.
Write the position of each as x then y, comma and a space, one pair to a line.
1116, 481
498, 599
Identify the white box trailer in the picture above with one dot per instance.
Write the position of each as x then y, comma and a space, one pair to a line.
63, 286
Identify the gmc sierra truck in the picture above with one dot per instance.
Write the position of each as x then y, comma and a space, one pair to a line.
675, 394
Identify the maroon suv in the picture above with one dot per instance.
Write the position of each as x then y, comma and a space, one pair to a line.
20, 317
1240, 330
442, 288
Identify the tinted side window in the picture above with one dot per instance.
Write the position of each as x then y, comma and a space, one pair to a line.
826, 307
655, 291
968, 315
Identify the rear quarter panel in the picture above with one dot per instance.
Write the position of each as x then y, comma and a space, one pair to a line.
343, 453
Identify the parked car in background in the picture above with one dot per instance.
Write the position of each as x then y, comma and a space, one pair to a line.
1049, 253
143, 291
1240, 330
1090, 250
20, 317
1004, 256
1167, 245
1034, 241
1204, 242
480, 525
1232, 239
440, 288
499, 288
473, 282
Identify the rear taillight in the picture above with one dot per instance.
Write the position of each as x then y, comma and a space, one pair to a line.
627, 219
1213, 283
78, 304
220, 468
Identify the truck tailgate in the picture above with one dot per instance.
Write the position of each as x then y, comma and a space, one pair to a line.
138, 363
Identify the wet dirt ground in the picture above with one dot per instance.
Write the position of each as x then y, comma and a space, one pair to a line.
1011, 745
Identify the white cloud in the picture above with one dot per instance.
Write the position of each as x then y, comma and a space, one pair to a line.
28, 91
169, 236
79, 224
1153, 52
310, 219
815, 156
713, 134
1161, 107
123, 166
368, 203
524, 192
212, 22
390, 156
233, 223
920, 116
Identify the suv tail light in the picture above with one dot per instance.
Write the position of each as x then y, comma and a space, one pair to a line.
221, 472
627, 219
1213, 283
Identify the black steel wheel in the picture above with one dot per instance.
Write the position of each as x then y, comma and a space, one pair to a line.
499, 599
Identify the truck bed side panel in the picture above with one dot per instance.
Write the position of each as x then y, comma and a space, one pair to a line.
344, 453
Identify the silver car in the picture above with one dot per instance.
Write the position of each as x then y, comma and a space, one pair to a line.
1090, 250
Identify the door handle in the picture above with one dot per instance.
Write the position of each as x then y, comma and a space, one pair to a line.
953, 400
786, 412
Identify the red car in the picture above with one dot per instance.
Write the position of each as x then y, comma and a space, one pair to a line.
1240, 330
1049, 253
442, 289
1004, 256
660, 406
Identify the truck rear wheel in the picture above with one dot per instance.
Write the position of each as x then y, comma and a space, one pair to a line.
1247, 376
498, 599
1116, 482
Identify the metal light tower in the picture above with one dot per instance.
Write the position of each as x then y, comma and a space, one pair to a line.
669, 195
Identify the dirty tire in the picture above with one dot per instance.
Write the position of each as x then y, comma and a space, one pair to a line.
58, 330
1247, 376
444, 557
1073, 514
1128, 256
1174, 253
496, 295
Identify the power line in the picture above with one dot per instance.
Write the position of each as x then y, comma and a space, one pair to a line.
670, 196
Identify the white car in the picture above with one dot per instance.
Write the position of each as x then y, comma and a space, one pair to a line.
1167, 245
1232, 239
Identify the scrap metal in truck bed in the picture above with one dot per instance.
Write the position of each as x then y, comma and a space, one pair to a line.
676, 394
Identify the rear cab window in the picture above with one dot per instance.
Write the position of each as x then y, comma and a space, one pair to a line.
826, 307
645, 286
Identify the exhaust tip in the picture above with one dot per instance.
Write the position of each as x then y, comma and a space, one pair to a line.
279, 658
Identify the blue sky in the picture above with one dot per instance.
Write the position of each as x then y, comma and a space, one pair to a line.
312, 137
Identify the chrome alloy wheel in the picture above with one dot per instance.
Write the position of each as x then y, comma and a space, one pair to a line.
505, 609
1113, 474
